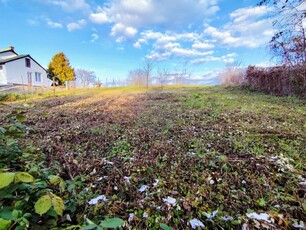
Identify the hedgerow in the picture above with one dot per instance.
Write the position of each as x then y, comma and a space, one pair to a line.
280, 80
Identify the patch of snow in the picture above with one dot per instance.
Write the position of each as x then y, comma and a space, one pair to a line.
143, 188
245, 227
299, 224
93, 171
211, 215
274, 158
260, 216
156, 182
169, 200
97, 199
191, 154
145, 215
303, 181
127, 179
107, 162
131, 217
243, 182
210, 180
283, 162
68, 217
195, 223
226, 218
101, 178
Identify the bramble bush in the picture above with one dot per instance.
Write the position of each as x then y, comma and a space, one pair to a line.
32, 196
279, 80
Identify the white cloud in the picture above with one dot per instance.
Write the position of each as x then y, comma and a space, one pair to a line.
188, 52
143, 14
94, 37
137, 45
248, 28
228, 58
71, 5
100, 17
76, 25
203, 45
172, 45
248, 13
54, 24
224, 36
122, 32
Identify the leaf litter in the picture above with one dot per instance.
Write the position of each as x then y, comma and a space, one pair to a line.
236, 164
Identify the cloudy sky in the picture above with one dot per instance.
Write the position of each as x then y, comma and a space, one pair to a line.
112, 37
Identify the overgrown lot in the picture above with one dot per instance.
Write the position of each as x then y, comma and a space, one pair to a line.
185, 157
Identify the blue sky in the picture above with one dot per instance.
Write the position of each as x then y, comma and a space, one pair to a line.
115, 36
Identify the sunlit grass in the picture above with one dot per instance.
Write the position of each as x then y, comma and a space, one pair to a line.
51, 93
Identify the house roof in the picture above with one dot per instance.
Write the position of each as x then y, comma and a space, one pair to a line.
8, 50
6, 60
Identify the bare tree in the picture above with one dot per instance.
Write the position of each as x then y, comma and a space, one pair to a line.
137, 77
182, 75
289, 41
147, 69
162, 76
233, 74
85, 77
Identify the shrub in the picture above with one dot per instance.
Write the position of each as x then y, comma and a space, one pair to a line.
280, 80
232, 75
30, 194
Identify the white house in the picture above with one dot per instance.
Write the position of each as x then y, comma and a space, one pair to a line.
21, 70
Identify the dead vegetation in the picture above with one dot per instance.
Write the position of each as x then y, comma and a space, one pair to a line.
212, 154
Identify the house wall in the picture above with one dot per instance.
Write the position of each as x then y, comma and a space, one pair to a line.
3, 80
17, 73
8, 54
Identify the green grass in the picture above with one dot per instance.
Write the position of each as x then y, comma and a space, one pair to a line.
211, 148
13, 97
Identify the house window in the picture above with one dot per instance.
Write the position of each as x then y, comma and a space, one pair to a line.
1, 67
28, 62
37, 77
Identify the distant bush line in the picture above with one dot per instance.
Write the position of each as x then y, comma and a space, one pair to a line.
279, 81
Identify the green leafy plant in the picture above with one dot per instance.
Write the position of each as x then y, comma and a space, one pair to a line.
105, 224
21, 196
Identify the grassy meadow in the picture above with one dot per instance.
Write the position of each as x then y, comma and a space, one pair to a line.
173, 157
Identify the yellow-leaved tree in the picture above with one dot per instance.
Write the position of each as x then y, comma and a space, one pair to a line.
59, 69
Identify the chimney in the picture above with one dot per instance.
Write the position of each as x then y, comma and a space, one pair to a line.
11, 48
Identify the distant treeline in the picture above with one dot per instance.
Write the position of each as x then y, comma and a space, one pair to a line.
279, 80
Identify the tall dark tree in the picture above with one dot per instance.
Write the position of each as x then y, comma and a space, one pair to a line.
59, 69
289, 41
